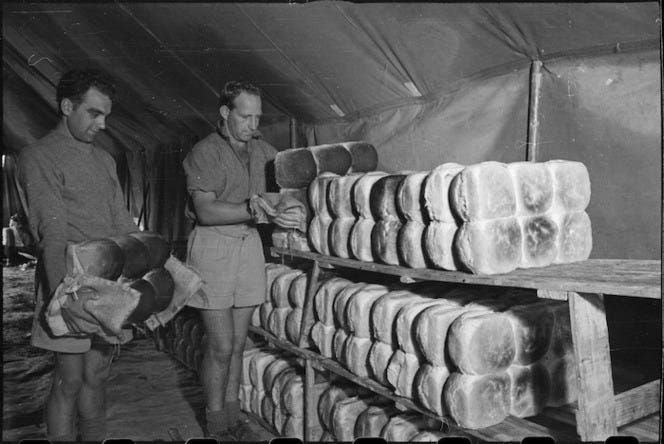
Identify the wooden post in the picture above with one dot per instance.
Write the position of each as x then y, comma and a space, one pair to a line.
596, 413
533, 110
310, 409
293, 133
308, 309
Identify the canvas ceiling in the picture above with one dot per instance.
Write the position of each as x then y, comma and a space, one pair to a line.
425, 82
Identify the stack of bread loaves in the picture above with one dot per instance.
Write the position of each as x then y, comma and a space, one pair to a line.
486, 218
272, 388
281, 313
521, 215
298, 171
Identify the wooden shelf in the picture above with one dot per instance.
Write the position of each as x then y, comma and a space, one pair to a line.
582, 284
635, 278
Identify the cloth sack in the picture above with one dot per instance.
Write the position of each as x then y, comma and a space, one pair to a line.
84, 305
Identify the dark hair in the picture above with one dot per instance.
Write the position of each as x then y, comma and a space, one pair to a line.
75, 83
232, 89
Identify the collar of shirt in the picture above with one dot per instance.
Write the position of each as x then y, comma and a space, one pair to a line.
61, 132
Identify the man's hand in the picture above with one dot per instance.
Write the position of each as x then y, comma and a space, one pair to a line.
287, 213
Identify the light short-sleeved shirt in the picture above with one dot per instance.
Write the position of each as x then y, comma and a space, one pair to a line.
229, 258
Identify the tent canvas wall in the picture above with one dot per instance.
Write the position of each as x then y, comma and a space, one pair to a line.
426, 83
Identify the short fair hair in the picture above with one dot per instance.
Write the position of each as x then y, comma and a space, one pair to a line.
232, 89
75, 83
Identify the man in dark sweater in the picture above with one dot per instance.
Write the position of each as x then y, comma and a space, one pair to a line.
73, 195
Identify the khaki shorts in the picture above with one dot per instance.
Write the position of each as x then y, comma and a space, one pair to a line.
230, 261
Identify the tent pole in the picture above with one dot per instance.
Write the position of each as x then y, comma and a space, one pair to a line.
293, 133
533, 110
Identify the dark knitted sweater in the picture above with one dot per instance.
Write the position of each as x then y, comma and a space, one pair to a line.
73, 195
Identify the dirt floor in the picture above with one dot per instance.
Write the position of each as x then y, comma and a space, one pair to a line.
150, 395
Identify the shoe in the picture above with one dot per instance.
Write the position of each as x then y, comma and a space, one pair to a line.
242, 431
222, 436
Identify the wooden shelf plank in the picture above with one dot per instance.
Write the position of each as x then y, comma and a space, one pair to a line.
638, 402
636, 278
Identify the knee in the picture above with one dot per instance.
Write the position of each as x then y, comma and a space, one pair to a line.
219, 350
68, 385
96, 377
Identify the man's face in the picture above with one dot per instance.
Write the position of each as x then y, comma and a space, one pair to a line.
242, 121
87, 118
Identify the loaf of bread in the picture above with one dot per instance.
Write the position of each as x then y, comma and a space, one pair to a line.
324, 299
339, 345
437, 192
323, 335
360, 239
439, 245
403, 427
564, 380
371, 421
257, 365
318, 233
256, 400
344, 416
295, 168
293, 325
490, 246
410, 244
358, 309
331, 157
384, 241
379, 357
383, 199
276, 322
281, 288
481, 343
431, 329
363, 154
533, 187
265, 309
532, 325
405, 321
247, 355
298, 290
267, 410
339, 194
339, 236
410, 197
136, 256
273, 369
244, 397
530, 387
429, 383
477, 401
384, 312
540, 241
362, 193
575, 240
292, 396
340, 301
401, 371
356, 353
333, 396
571, 186
317, 194
483, 191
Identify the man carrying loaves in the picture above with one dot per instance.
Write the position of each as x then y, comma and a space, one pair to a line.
73, 195
226, 172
